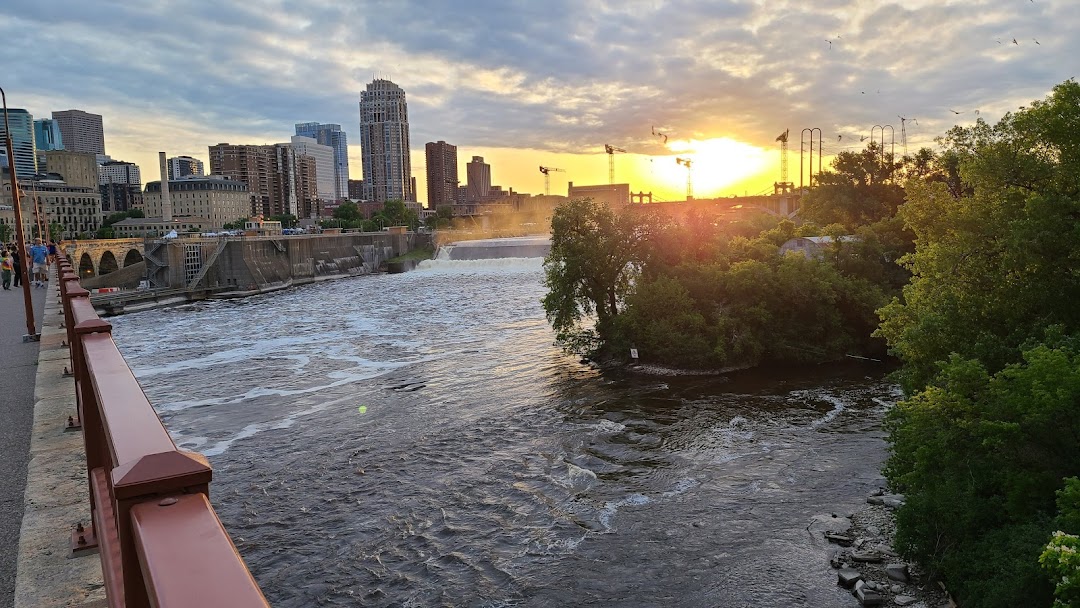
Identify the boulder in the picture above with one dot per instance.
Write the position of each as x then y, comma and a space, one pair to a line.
904, 600
868, 597
840, 539
893, 502
897, 572
865, 556
848, 577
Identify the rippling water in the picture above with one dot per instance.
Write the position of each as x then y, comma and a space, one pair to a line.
417, 440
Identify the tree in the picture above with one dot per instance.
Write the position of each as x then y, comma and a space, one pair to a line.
594, 258
287, 220
6, 232
347, 212
861, 189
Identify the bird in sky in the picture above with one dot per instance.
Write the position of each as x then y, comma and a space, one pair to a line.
1037, 42
997, 41
839, 137
1015, 42
862, 138
954, 111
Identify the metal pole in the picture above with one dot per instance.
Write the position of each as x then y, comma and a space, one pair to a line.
28, 304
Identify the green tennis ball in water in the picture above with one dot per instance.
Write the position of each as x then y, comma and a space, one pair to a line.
362, 409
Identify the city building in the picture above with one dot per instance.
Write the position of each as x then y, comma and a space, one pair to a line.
615, 196
442, 173
120, 184
333, 136
77, 210
356, 189
22, 142
478, 174
78, 169
81, 131
141, 227
384, 143
47, 135
183, 166
323, 156
211, 201
279, 180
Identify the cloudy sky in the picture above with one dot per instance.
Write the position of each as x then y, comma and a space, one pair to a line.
542, 82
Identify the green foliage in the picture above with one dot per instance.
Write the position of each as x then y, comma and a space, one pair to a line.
287, 220
6, 233
347, 212
861, 189
106, 230
980, 458
236, 225
1061, 561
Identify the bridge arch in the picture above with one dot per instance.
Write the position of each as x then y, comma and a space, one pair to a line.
133, 257
86, 266
107, 263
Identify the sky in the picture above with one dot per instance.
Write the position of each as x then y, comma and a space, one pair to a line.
525, 84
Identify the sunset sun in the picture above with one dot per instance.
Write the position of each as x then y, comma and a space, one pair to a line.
716, 164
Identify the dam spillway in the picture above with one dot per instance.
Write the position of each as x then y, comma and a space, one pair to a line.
490, 249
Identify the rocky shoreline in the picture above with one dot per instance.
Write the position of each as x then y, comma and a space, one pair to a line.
865, 562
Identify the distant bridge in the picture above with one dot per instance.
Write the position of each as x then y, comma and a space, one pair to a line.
101, 256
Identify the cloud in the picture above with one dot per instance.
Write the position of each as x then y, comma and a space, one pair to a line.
559, 76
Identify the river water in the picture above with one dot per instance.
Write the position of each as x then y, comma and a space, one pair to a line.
417, 440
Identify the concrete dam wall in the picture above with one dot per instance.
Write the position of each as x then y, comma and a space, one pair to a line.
490, 249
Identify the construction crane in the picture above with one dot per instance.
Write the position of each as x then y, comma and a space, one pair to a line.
547, 171
688, 163
783, 186
611, 150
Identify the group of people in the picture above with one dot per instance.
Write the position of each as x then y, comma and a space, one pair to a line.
11, 265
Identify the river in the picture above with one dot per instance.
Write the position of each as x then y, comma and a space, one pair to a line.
417, 440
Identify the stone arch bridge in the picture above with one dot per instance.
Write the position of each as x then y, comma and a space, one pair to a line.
101, 256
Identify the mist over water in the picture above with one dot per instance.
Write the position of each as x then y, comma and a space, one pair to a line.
487, 467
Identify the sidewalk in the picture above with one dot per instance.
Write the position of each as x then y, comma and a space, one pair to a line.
18, 362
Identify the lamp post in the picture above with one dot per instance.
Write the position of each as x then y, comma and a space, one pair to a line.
28, 304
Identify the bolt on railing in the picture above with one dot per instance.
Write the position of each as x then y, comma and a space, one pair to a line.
161, 543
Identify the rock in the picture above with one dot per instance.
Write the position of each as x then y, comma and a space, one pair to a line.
865, 556
904, 600
840, 539
868, 597
873, 530
896, 589
835, 560
893, 502
874, 500
877, 492
848, 577
897, 572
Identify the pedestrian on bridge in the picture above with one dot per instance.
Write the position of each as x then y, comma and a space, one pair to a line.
39, 255
5, 268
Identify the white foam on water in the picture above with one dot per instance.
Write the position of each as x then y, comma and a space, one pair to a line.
609, 427
251, 430
682, 487
611, 509
839, 405
580, 478
447, 267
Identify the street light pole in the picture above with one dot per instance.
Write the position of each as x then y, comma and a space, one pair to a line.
28, 304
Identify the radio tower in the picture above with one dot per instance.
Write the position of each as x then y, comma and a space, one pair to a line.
783, 186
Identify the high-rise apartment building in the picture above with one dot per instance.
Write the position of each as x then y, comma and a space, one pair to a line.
384, 142
479, 175
442, 173
47, 135
323, 156
333, 136
120, 184
183, 166
81, 131
22, 142
119, 172
356, 189
280, 181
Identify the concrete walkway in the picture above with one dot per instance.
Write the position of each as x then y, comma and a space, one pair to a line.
18, 371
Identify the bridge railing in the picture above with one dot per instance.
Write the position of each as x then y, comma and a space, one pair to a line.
160, 541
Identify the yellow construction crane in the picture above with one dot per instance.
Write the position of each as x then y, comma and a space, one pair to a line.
547, 177
783, 186
611, 150
688, 163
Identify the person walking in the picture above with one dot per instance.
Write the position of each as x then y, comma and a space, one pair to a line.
16, 261
39, 255
5, 269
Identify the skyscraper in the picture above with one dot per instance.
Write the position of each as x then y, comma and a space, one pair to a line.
442, 173
81, 131
47, 135
479, 176
280, 180
323, 156
22, 141
183, 166
333, 136
384, 142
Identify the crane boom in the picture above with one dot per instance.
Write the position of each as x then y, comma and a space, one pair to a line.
547, 171
611, 150
688, 163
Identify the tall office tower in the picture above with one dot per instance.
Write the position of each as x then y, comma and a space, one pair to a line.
47, 135
479, 175
356, 189
442, 173
81, 131
323, 156
384, 142
22, 142
333, 136
183, 166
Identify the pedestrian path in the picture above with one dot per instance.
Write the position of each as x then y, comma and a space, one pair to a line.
18, 368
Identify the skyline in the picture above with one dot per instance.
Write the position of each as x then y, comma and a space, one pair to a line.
525, 85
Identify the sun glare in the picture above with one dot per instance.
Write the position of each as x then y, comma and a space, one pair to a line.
716, 164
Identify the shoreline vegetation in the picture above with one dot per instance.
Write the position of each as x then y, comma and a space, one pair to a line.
959, 262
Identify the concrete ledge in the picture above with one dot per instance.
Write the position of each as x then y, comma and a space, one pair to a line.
57, 492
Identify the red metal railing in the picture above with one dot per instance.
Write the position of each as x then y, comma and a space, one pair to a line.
160, 541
